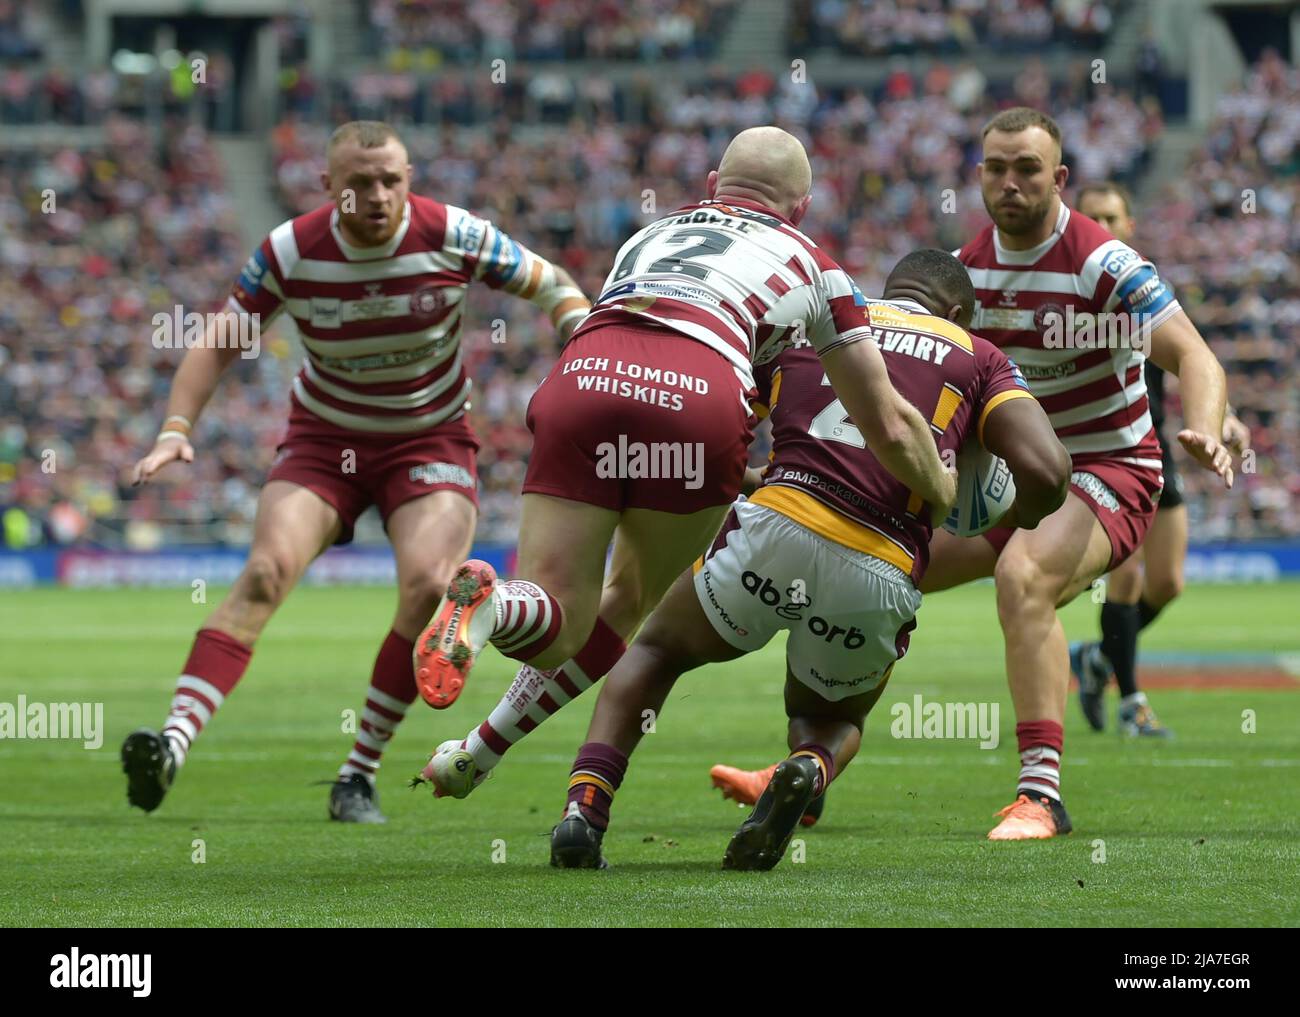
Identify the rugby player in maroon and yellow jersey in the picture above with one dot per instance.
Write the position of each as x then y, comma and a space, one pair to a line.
831, 548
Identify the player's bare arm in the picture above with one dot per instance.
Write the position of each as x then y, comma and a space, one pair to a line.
196, 379
1108, 204
894, 429
1177, 347
1020, 432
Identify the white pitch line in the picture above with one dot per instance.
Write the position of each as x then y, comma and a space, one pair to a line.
1290, 663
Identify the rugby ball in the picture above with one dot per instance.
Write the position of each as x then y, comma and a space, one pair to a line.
985, 490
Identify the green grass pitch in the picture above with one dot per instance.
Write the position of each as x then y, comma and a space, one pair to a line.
1200, 831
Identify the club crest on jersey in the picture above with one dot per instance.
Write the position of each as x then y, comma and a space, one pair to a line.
1009, 298
1047, 316
428, 300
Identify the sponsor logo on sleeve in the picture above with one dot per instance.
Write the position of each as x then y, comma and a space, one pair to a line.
250, 279
1119, 259
1144, 292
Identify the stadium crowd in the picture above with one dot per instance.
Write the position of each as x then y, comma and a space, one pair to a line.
879, 27
1227, 235
430, 33
19, 40
93, 243
139, 230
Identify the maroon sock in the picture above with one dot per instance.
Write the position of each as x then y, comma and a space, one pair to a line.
826, 769
216, 663
597, 772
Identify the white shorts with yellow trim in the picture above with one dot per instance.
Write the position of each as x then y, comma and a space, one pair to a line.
849, 614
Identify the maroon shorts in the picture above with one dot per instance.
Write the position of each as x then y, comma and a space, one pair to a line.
1121, 495
639, 416
352, 470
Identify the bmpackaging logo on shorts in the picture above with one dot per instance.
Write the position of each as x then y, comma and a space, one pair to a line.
763, 588
442, 473
1095, 489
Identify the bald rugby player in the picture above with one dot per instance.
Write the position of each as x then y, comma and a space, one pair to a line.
826, 549
375, 281
641, 434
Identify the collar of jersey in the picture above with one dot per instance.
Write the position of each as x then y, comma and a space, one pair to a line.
753, 206
1032, 255
907, 302
354, 253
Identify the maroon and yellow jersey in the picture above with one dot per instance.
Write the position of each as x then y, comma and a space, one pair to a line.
821, 473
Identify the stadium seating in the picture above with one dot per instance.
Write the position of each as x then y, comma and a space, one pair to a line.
881, 27
413, 33
1235, 272
140, 228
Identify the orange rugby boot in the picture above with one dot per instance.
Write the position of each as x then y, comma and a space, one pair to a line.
745, 786
446, 650
1025, 819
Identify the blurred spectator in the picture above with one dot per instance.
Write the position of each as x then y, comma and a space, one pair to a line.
18, 34
137, 228
880, 27
426, 34
1227, 234
93, 242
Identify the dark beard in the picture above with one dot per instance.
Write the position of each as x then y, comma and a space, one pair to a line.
1028, 222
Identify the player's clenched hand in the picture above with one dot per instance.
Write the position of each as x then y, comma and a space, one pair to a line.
939, 511
1236, 435
165, 451
1211, 454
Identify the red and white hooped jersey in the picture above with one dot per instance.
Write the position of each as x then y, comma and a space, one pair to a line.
1095, 397
738, 277
380, 325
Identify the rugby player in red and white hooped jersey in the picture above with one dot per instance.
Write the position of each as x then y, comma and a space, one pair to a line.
827, 549
1040, 269
375, 282
663, 362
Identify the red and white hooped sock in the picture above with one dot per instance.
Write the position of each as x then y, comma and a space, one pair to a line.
1041, 743
216, 663
392, 690
528, 619
535, 695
